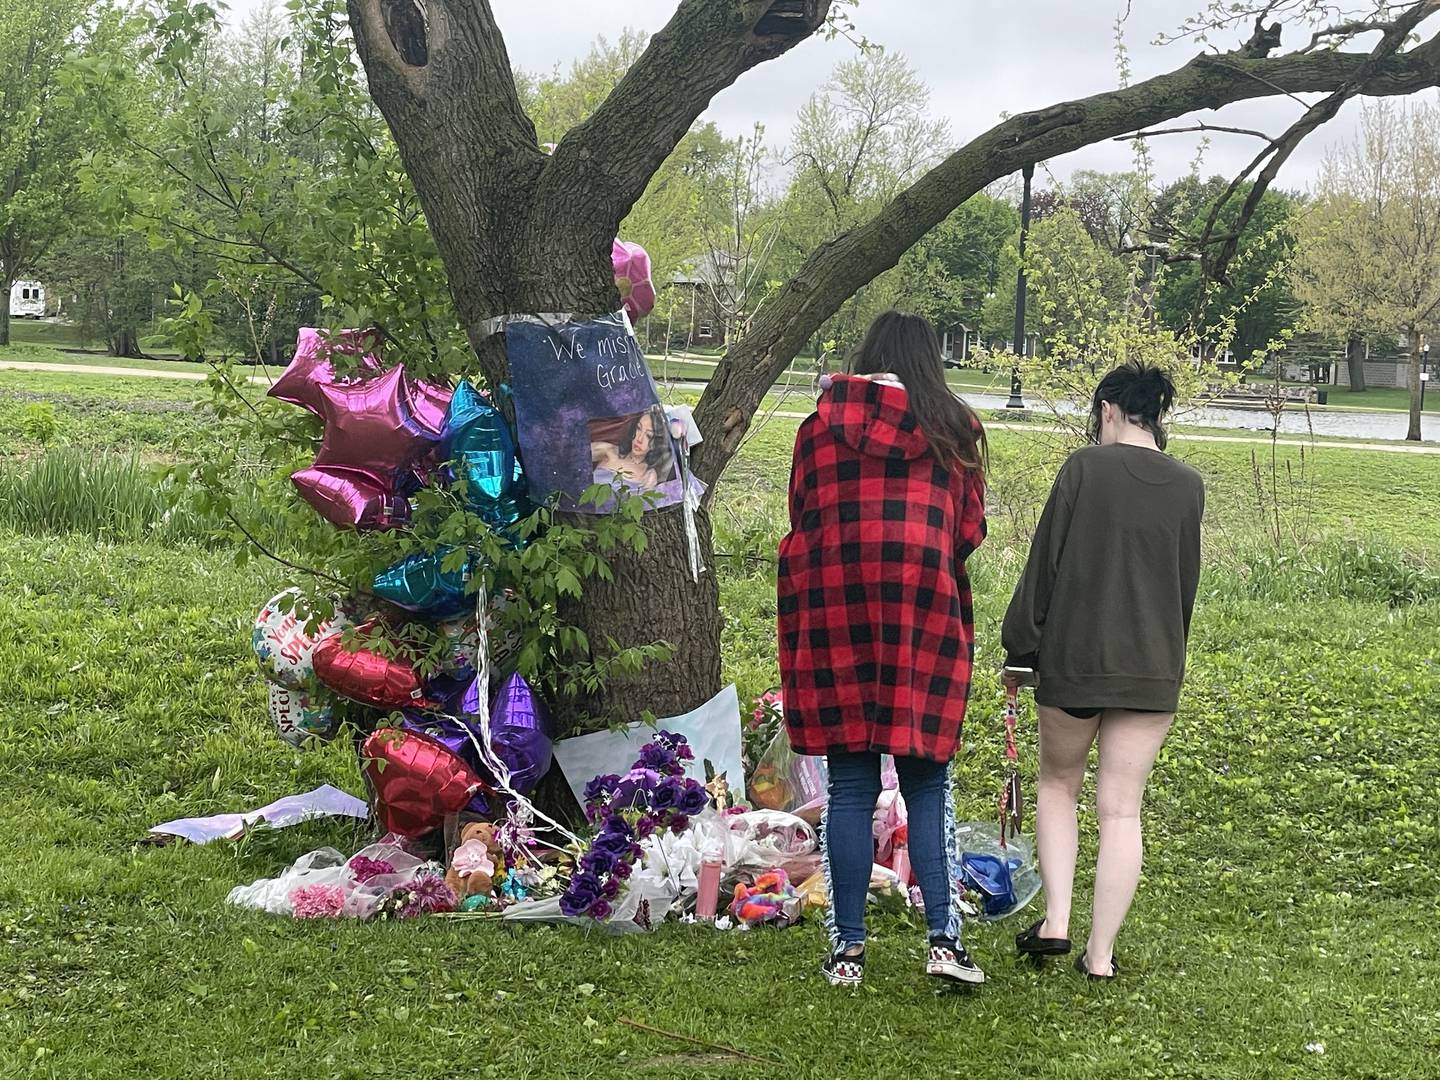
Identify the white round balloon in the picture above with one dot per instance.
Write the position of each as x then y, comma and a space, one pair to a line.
282, 643
299, 716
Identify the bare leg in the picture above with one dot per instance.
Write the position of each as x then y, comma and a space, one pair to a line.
1129, 742
1064, 749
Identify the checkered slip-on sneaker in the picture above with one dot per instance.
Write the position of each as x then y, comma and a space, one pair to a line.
948, 960
842, 970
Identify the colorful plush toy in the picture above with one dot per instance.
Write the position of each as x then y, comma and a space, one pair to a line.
477, 862
772, 899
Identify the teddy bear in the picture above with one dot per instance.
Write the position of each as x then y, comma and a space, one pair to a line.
476, 862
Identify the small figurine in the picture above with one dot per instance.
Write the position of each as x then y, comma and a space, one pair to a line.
719, 789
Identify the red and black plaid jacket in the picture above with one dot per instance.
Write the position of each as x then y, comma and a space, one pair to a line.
877, 632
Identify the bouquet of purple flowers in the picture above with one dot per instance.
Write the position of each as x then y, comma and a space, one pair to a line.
654, 795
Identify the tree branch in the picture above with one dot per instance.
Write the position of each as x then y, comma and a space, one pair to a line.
836, 269
1202, 127
1279, 151
607, 161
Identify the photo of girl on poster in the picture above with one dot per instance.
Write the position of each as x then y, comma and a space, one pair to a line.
634, 449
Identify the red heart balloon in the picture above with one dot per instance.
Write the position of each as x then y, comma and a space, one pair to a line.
366, 676
417, 780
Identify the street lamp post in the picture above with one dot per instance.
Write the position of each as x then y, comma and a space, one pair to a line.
1424, 377
1017, 401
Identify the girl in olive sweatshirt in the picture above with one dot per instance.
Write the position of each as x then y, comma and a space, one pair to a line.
1101, 615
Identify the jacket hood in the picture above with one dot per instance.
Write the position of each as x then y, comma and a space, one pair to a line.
872, 416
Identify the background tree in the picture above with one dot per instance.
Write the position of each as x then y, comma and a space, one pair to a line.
1077, 281
42, 130
114, 285
857, 143
1370, 252
740, 224
1255, 305
950, 273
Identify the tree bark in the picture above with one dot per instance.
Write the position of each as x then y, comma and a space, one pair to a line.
1355, 361
1413, 434
124, 343
653, 597
7, 282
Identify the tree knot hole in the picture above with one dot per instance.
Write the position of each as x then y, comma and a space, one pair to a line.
408, 27
790, 19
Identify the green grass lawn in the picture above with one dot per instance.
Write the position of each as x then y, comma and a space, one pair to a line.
62, 334
1288, 903
1394, 399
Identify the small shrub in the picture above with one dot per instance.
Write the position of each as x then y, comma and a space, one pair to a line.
1336, 570
38, 422
110, 497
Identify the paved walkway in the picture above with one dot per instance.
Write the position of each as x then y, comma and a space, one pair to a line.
115, 369
1430, 449
1427, 449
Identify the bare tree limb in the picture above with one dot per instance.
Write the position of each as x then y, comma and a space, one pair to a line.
1217, 128
836, 269
1279, 151
707, 44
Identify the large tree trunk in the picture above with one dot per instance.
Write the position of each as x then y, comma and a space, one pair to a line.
653, 597
1414, 433
1355, 361
124, 343
521, 231
7, 282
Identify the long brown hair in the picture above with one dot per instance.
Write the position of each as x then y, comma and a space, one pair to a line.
906, 346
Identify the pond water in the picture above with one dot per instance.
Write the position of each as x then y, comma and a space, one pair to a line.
1293, 421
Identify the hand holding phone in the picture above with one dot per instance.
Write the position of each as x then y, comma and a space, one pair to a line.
1015, 677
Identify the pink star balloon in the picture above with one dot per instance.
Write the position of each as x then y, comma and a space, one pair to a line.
350, 497
374, 427
311, 368
430, 401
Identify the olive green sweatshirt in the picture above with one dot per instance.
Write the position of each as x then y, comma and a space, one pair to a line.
1102, 611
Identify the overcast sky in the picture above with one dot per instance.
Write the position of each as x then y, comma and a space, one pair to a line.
981, 61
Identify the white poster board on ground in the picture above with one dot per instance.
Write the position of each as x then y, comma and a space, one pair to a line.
712, 730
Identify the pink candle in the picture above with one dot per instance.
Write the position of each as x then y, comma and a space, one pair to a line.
709, 887
900, 863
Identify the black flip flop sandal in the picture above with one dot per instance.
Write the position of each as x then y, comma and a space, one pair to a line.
1030, 943
1084, 969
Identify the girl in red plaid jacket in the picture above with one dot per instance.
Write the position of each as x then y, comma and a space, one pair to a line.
887, 501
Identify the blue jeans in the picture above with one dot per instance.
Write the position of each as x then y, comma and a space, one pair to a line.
850, 841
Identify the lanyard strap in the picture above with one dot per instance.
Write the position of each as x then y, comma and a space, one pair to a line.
1012, 718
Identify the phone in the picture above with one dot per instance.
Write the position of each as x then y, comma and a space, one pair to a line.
1026, 675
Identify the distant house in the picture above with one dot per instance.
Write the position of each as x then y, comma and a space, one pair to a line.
27, 300
1312, 358
699, 318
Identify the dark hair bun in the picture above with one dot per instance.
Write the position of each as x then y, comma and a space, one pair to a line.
1144, 391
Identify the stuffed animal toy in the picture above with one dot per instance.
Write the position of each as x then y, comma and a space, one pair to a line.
772, 899
477, 862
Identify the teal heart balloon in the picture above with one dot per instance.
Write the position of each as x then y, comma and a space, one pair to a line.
419, 584
482, 456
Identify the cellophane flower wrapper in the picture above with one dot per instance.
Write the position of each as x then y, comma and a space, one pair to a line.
363, 889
